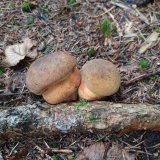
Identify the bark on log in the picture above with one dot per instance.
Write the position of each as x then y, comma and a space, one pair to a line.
43, 119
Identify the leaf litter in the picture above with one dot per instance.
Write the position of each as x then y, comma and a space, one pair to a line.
76, 28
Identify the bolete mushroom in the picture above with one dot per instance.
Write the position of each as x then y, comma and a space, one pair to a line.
55, 76
99, 78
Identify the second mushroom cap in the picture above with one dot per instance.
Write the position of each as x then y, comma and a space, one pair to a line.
100, 78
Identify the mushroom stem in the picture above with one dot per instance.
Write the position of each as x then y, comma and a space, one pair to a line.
85, 93
64, 90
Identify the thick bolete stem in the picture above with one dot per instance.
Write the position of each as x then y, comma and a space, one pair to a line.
64, 90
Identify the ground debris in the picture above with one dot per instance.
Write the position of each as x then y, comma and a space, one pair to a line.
17, 52
93, 152
77, 28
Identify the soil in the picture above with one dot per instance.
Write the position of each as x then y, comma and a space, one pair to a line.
77, 28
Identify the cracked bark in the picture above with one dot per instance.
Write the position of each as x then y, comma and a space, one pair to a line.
44, 119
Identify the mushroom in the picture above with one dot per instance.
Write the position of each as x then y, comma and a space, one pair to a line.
99, 78
55, 76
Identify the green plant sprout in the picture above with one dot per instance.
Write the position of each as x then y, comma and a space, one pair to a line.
78, 51
157, 29
1, 87
55, 157
71, 2
93, 119
153, 78
141, 38
30, 20
12, 5
107, 28
143, 63
81, 103
26, 6
91, 52
2, 70
44, 6
158, 16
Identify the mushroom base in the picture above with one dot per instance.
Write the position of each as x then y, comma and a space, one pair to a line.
66, 90
85, 93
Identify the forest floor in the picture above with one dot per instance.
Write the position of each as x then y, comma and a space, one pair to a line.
78, 27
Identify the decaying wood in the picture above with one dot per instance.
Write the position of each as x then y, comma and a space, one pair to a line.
43, 119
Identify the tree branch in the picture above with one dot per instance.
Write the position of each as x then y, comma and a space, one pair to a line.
43, 119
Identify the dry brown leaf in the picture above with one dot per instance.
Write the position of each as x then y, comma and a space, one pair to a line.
93, 152
129, 156
116, 152
150, 42
17, 52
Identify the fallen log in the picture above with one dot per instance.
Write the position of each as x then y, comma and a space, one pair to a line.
44, 119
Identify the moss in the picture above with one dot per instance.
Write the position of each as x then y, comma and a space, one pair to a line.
26, 6
143, 63
91, 52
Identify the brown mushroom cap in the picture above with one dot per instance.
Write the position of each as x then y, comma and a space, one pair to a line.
48, 70
65, 90
100, 78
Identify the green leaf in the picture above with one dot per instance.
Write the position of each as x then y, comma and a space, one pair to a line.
2, 70
26, 6
91, 52
143, 63
71, 2
30, 20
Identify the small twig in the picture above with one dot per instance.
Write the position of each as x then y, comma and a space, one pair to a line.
129, 146
106, 11
136, 79
131, 10
147, 153
12, 94
155, 146
46, 144
59, 150
13, 149
42, 151
123, 155
138, 151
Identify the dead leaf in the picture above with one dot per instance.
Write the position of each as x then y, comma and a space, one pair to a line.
129, 156
18, 82
15, 53
93, 152
128, 28
116, 152
149, 42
